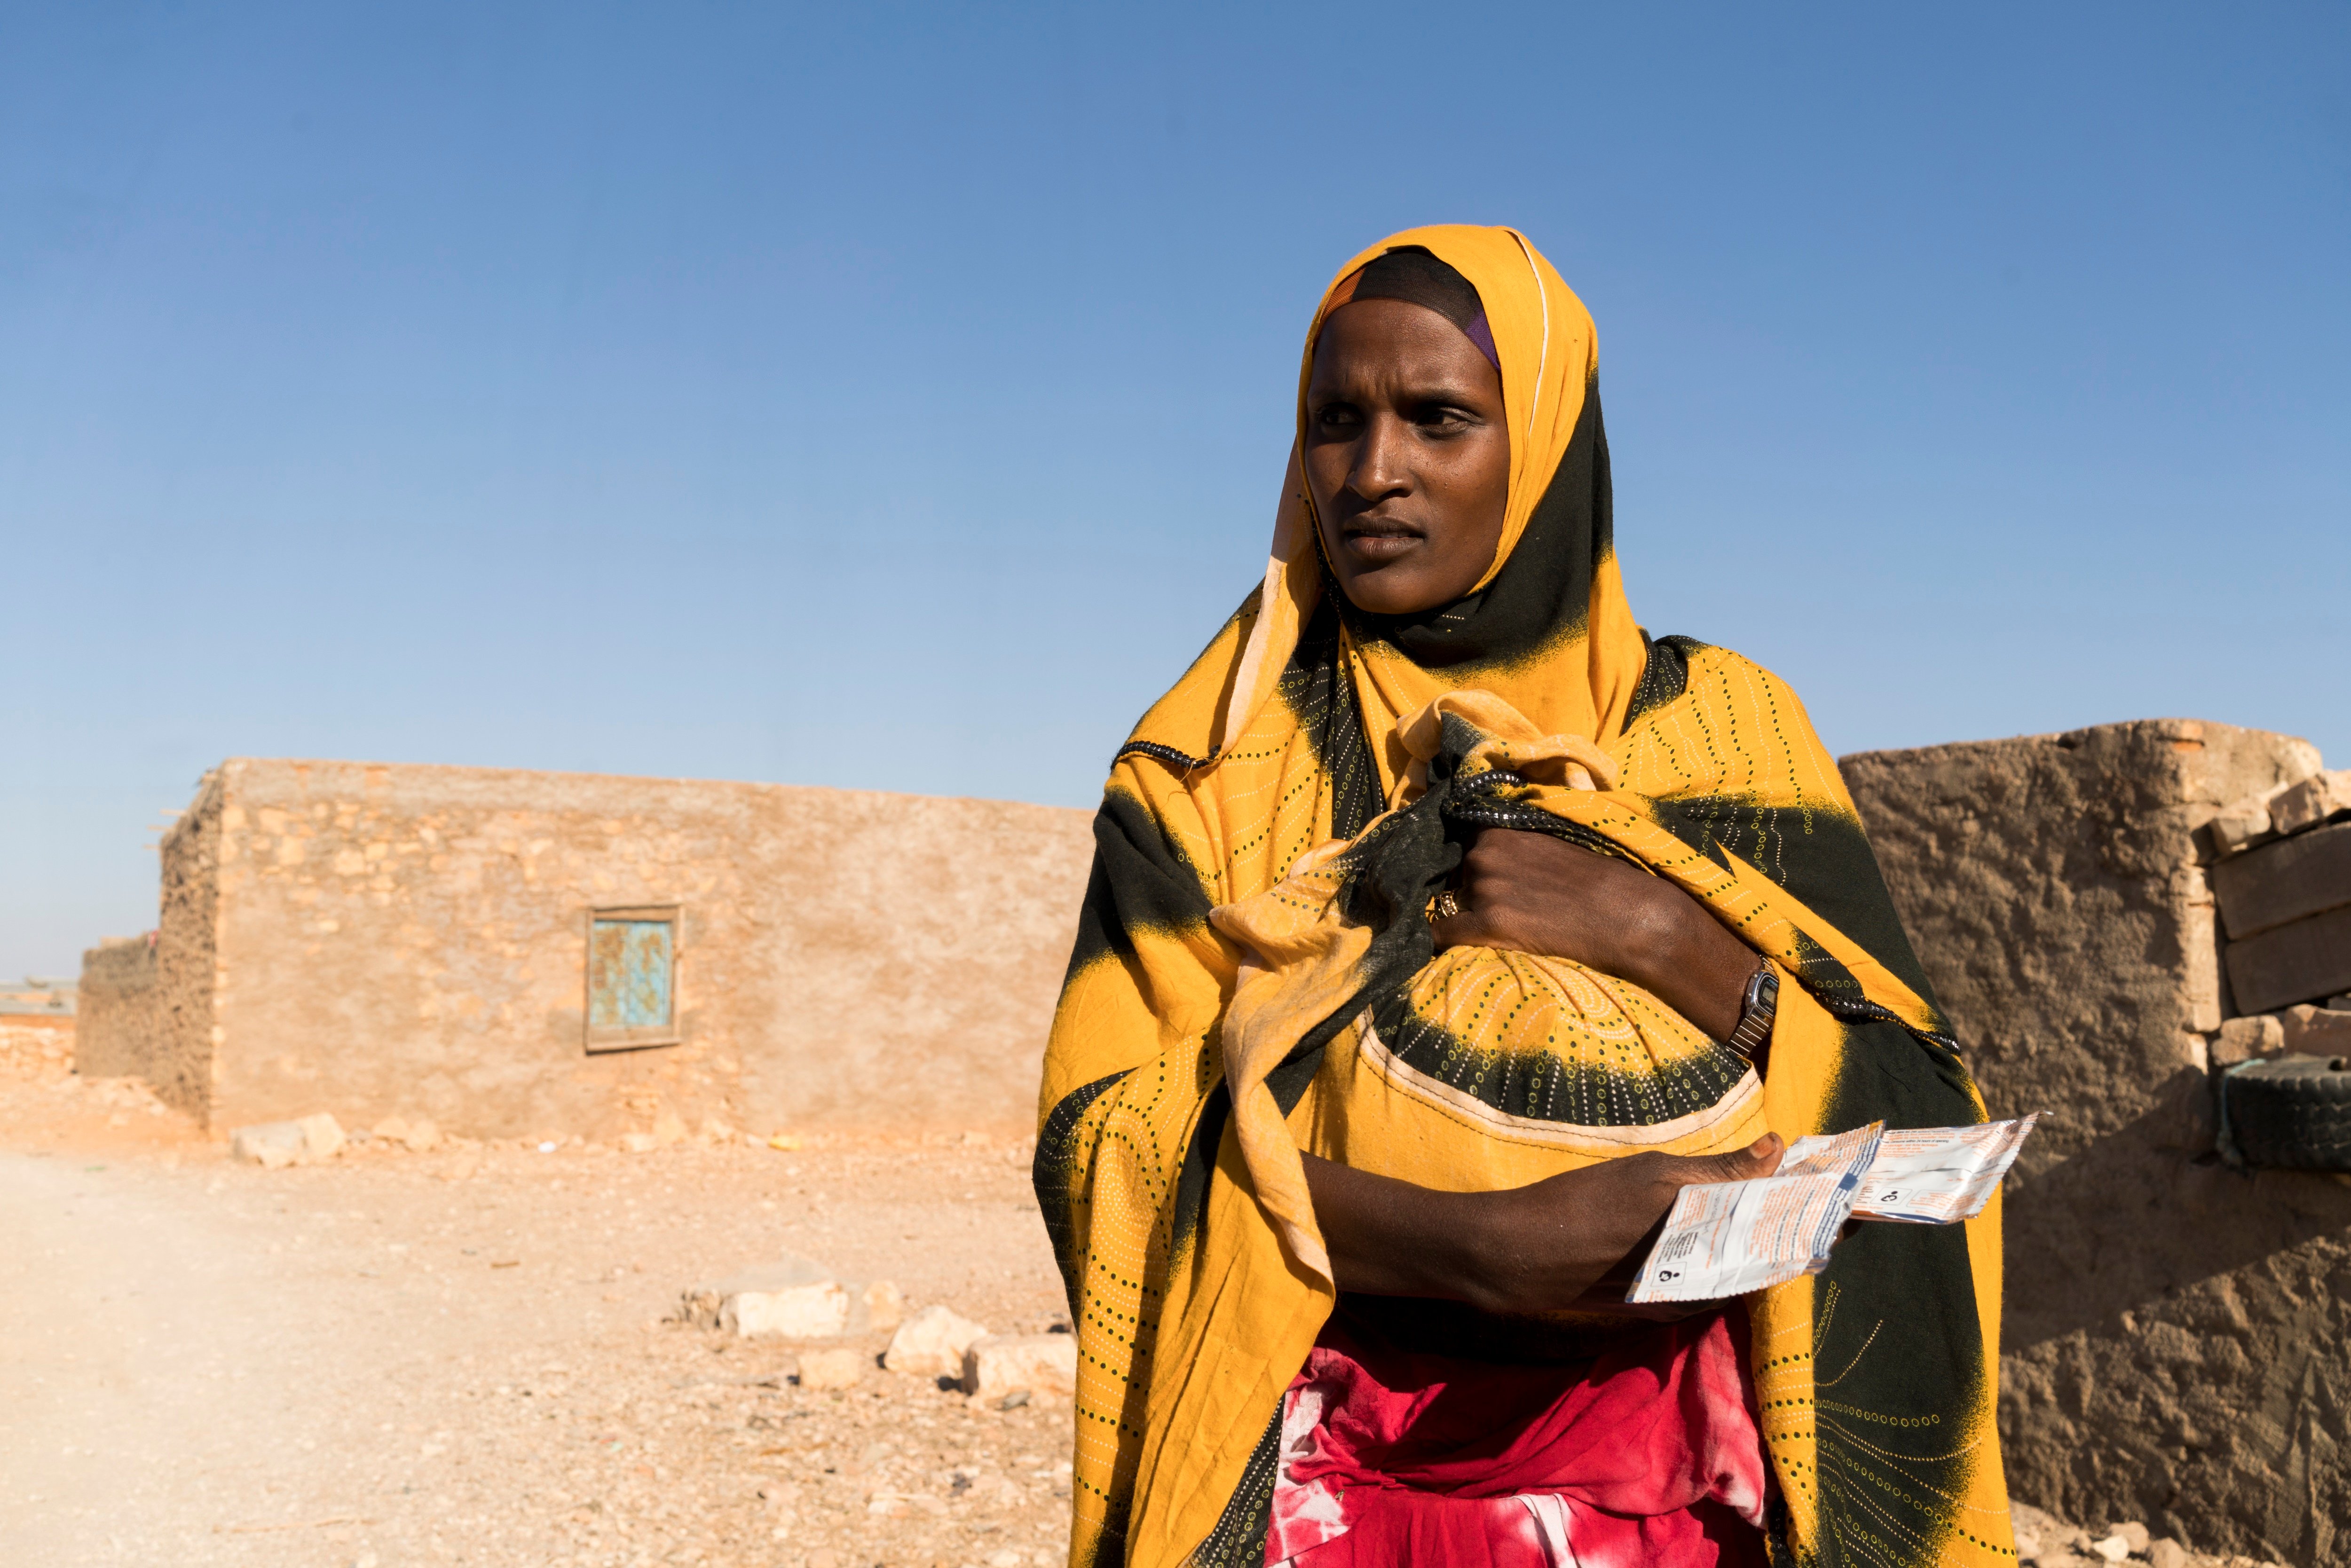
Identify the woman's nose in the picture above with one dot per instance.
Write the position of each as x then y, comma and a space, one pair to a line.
1380, 467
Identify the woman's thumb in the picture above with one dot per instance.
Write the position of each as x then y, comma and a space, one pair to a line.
1759, 1158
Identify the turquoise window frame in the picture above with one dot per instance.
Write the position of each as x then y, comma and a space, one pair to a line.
633, 960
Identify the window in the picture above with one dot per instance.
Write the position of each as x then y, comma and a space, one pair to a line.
632, 977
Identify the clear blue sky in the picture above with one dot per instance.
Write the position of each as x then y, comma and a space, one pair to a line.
895, 397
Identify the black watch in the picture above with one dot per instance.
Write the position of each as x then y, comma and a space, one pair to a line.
1756, 1012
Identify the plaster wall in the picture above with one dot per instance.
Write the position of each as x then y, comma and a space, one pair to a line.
2177, 1335
391, 940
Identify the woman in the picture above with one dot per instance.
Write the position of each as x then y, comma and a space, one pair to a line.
1437, 936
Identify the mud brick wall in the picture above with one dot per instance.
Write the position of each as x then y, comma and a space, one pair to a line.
412, 941
2177, 1338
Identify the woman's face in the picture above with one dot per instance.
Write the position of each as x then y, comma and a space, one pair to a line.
1407, 454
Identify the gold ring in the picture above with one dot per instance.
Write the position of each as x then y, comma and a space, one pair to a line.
1444, 906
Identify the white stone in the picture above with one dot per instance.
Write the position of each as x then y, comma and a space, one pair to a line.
2113, 1547
795, 1297
322, 1137
1012, 1363
2134, 1536
269, 1144
2312, 801
796, 1312
932, 1343
831, 1368
275, 1145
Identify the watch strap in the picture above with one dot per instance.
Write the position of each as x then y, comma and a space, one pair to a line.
1756, 1012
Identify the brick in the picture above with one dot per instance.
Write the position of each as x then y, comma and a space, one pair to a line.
2248, 1040
2285, 881
2297, 963
2312, 801
2317, 1031
2239, 825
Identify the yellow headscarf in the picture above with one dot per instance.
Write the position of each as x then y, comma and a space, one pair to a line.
1549, 356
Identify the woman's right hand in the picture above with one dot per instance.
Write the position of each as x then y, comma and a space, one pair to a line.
1535, 1249
1548, 1244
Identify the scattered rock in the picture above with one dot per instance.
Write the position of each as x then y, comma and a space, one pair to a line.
2134, 1537
1039, 1363
2167, 1554
322, 1137
831, 1368
2248, 1039
273, 1144
269, 1144
2113, 1547
2312, 801
794, 1296
932, 1343
2241, 824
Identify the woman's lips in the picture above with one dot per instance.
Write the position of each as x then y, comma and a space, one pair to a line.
1381, 547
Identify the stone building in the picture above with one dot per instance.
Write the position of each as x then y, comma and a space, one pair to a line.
2177, 1341
518, 954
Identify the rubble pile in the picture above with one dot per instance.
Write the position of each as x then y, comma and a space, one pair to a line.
2044, 1540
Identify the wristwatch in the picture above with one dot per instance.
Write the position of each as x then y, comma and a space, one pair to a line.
1756, 1012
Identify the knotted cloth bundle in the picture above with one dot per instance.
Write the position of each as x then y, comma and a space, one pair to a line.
1254, 975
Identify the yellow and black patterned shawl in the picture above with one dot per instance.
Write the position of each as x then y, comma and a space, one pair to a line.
1253, 976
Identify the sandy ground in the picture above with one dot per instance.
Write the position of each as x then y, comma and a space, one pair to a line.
467, 1357
470, 1357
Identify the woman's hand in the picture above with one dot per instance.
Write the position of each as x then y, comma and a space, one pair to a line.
1532, 1248
1530, 892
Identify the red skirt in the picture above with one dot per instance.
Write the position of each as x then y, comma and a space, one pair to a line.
1649, 1455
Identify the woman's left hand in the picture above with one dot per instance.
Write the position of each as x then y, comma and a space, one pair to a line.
1530, 892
